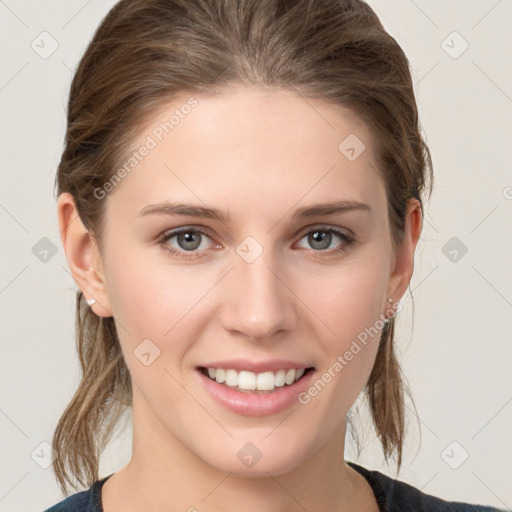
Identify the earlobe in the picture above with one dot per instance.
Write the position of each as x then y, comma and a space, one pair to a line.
83, 256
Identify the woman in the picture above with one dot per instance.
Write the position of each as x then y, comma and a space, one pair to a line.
240, 199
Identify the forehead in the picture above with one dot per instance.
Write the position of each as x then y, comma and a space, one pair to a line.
254, 145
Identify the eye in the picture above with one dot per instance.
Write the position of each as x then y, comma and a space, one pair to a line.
188, 240
321, 238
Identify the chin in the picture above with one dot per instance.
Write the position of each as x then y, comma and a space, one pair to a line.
254, 460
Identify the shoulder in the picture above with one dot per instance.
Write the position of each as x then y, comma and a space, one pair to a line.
394, 496
83, 501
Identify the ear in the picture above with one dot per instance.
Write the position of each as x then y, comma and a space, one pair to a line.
403, 261
83, 255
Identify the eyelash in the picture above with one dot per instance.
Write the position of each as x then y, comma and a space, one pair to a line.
347, 239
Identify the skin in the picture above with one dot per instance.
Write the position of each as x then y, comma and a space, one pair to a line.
257, 155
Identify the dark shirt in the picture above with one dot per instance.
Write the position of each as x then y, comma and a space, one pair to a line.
391, 495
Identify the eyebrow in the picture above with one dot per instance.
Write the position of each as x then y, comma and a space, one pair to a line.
192, 210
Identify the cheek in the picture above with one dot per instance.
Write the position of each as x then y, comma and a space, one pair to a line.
349, 303
348, 300
151, 306
160, 302
148, 298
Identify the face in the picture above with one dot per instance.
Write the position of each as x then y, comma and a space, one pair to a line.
258, 282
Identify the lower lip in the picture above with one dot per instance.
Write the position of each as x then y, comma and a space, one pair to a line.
256, 404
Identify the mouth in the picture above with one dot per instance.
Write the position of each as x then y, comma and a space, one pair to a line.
255, 383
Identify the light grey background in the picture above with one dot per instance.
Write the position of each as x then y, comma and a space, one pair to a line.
457, 355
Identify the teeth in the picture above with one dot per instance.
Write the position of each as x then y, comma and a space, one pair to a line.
251, 381
219, 375
266, 381
247, 380
231, 378
280, 378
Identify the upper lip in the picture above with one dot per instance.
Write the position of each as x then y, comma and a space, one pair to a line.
257, 367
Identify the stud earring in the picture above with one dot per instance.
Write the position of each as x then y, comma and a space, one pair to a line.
390, 299
91, 301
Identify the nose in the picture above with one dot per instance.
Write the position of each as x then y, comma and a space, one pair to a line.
259, 304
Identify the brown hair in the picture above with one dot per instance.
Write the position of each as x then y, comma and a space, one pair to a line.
147, 52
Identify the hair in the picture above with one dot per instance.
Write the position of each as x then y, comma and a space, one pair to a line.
147, 52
